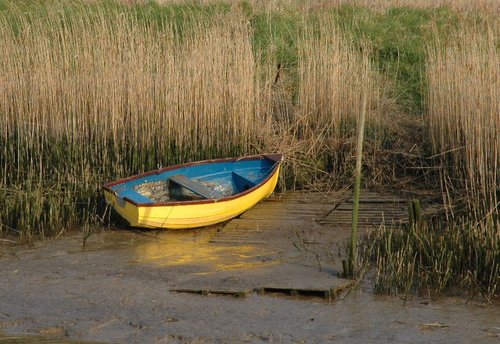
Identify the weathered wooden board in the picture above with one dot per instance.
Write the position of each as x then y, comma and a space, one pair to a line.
295, 230
282, 214
279, 278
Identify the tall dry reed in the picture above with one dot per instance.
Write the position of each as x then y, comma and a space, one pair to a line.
91, 93
106, 76
333, 74
102, 93
484, 6
464, 115
462, 251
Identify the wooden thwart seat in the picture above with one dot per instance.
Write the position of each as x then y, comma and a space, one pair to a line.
194, 186
241, 182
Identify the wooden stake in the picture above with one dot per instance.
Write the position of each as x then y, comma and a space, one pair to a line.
353, 249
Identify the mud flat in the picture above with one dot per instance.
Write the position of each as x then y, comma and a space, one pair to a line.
220, 284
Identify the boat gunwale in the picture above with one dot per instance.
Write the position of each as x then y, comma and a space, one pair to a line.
277, 158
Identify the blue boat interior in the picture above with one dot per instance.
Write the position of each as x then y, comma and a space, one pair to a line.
199, 181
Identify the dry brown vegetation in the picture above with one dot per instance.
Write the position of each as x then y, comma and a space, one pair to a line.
124, 82
461, 250
486, 6
317, 127
464, 115
103, 96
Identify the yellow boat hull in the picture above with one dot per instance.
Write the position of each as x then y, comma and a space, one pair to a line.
190, 214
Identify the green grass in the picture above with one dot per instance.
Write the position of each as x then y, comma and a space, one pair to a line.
276, 34
151, 14
434, 258
398, 39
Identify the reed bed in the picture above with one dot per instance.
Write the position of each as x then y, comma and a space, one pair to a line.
103, 95
93, 93
484, 6
461, 250
320, 113
433, 259
464, 116
334, 75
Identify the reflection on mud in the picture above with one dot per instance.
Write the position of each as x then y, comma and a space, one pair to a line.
190, 247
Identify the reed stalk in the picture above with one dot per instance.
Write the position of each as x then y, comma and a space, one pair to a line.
353, 249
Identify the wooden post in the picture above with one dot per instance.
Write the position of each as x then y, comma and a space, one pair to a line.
353, 249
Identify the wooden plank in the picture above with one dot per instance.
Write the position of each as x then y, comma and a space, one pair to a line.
290, 218
308, 197
298, 207
288, 279
235, 293
195, 186
270, 220
282, 212
325, 294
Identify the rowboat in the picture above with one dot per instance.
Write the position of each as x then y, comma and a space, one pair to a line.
194, 194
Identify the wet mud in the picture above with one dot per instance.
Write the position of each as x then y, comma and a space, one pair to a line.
123, 286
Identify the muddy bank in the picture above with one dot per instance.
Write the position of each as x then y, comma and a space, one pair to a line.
119, 290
